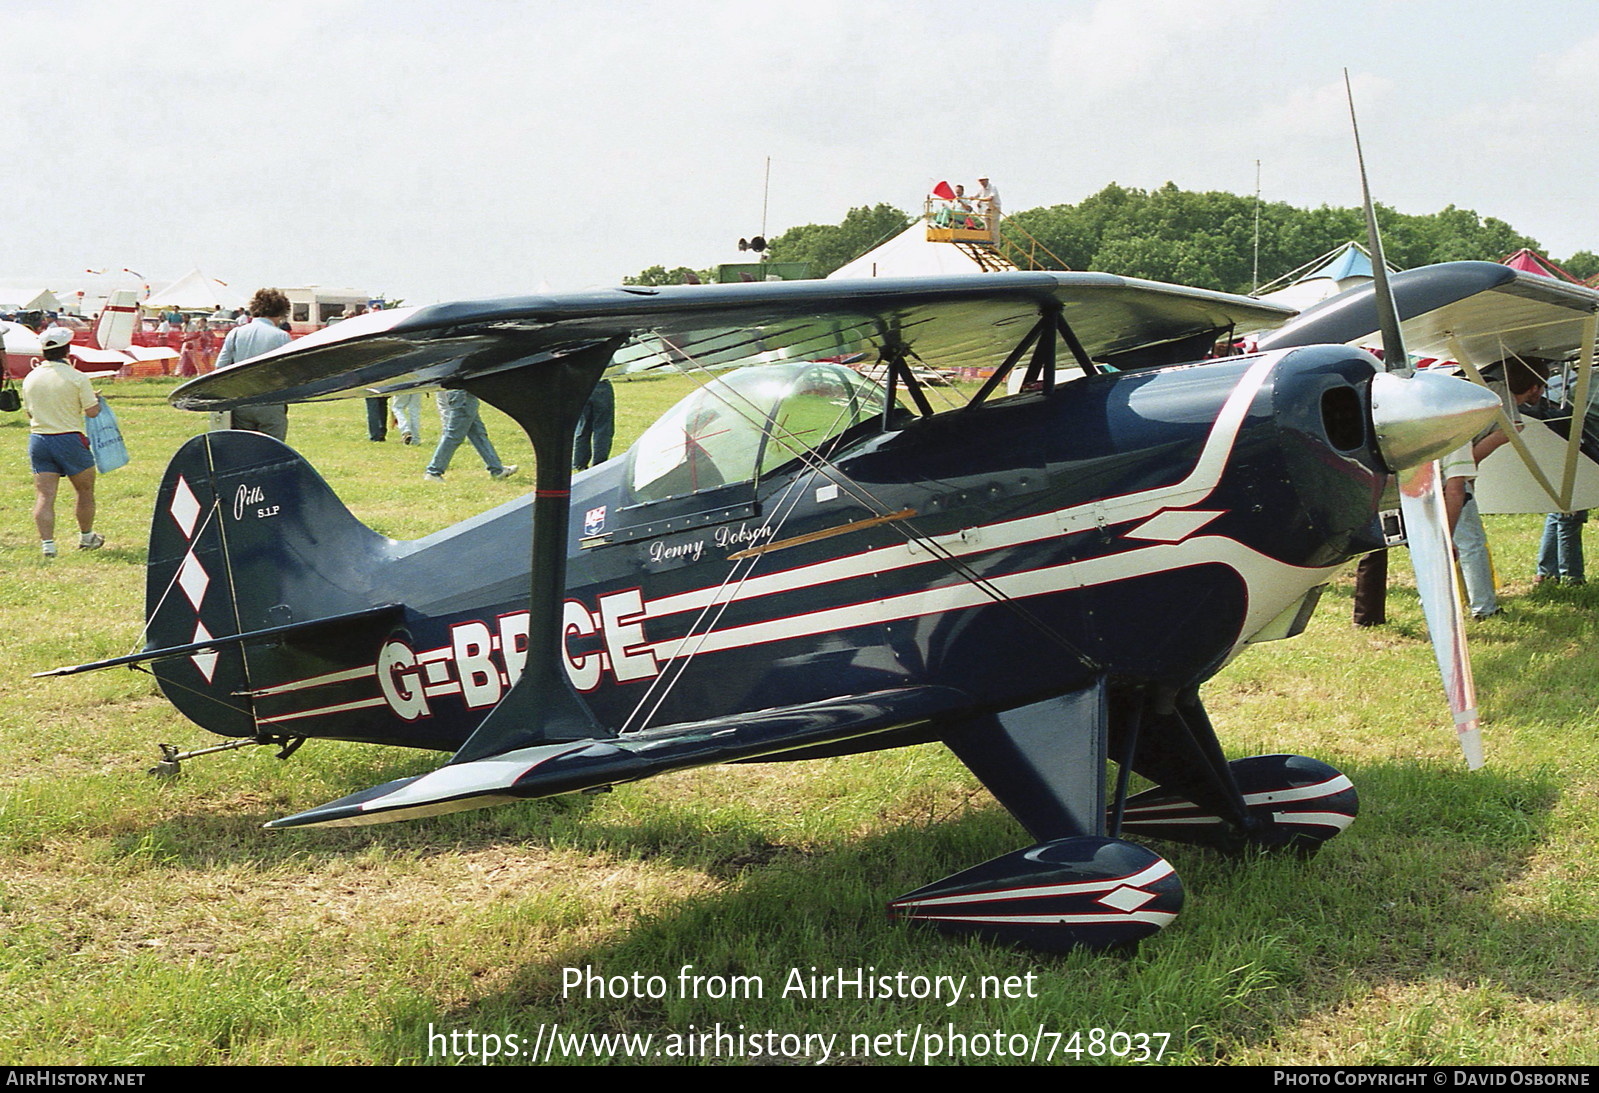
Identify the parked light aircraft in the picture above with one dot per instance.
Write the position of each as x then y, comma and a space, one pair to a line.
111, 351
795, 562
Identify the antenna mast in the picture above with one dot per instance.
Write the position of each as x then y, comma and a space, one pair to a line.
766, 192
1254, 273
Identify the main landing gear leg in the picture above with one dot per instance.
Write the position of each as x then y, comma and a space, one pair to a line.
1264, 802
1077, 887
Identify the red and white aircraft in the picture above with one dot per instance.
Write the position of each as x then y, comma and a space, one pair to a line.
109, 348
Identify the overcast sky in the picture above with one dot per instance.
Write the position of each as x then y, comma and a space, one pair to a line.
479, 148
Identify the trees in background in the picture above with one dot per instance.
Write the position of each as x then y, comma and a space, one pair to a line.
828, 246
1187, 237
660, 275
1583, 265
1207, 239
824, 246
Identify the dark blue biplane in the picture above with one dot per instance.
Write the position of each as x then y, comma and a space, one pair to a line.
797, 561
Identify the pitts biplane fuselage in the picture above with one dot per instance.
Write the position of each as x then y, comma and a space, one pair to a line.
783, 569
1138, 527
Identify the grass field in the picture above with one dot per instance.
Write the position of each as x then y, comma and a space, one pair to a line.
150, 921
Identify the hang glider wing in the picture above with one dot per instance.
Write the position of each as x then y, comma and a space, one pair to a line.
1478, 313
952, 321
1507, 484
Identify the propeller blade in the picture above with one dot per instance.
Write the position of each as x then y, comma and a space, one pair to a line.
1409, 439
1421, 500
1394, 357
1418, 419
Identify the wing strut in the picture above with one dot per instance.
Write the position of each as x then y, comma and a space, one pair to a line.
1008, 363
1041, 369
1076, 346
545, 396
1579, 407
899, 371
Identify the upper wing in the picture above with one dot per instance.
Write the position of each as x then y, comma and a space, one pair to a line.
1476, 311
970, 321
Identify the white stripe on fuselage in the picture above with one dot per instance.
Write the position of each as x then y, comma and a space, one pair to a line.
1263, 575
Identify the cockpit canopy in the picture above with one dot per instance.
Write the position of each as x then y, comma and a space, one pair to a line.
746, 424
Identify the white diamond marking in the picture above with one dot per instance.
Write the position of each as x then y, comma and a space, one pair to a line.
184, 508
194, 580
1126, 898
206, 662
1171, 526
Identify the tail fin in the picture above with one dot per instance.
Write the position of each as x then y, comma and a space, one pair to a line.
248, 537
118, 320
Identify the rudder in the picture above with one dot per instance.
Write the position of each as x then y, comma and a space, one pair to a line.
246, 537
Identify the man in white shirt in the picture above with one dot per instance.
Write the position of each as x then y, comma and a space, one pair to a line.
1459, 471
987, 201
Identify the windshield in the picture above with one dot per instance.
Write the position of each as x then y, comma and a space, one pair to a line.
747, 424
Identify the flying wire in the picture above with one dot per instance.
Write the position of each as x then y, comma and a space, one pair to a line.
820, 464
694, 639
144, 634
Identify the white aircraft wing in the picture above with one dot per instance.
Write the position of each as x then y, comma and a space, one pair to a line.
1479, 313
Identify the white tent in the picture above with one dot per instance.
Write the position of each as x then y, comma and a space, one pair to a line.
1334, 272
27, 296
194, 291
909, 254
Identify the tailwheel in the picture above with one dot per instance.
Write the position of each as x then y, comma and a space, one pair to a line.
1086, 891
1290, 802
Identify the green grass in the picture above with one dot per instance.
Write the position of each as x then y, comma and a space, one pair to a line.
153, 922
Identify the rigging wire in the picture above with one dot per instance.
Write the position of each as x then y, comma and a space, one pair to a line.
144, 634
821, 465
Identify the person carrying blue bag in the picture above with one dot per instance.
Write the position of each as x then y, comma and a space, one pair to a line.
105, 440
58, 399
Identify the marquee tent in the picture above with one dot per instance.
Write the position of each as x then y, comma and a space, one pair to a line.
194, 291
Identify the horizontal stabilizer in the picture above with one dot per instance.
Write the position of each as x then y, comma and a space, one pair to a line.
90, 359
546, 770
223, 641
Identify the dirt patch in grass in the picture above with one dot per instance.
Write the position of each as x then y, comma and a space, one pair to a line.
183, 913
